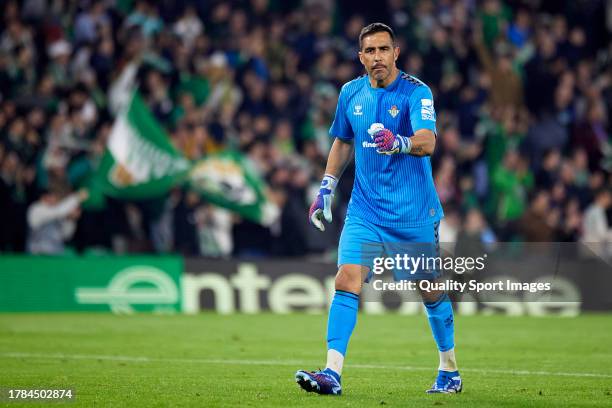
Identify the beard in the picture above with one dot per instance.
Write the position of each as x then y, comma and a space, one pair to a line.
379, 73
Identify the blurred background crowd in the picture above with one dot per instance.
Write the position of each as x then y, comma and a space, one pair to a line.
521, 87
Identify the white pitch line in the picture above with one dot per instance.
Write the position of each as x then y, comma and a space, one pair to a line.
136, 359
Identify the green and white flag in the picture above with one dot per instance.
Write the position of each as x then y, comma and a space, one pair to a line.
140, 162
228, 180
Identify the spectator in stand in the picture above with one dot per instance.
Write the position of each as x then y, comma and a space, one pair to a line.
596, 232
475, 236
524, 107
538, 223
52, 221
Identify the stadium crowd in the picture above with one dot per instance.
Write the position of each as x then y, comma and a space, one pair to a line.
521, 87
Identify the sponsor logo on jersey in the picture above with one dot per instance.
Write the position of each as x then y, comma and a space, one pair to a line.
368, 144
427, 109
358, 110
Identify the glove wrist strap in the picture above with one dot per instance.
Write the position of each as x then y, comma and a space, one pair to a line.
329, 182
406, 144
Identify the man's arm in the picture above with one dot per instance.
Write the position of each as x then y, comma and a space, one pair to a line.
339, 157
422, 143
422, 117
40, 214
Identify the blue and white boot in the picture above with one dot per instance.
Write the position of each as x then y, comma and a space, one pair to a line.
325, 382
448, 382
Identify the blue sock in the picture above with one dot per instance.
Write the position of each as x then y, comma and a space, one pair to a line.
448, 374
342, 320
441, 321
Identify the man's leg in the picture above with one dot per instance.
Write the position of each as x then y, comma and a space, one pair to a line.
343, 314
340, 324
441, 320
360, 243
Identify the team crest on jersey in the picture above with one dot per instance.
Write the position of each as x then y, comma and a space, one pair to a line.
394, 111
358, 110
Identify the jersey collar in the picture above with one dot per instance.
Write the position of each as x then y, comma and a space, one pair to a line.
390, 87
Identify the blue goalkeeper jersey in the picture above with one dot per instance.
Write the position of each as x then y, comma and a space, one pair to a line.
389, 190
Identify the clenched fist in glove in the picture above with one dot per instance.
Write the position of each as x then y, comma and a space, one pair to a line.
387, 142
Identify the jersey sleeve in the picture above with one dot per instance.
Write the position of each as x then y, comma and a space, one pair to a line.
422, 112
341, 127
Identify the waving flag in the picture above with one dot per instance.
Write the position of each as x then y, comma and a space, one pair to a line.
140, 162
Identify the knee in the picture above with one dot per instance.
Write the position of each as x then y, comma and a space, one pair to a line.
349, 279
431, 297
434, 298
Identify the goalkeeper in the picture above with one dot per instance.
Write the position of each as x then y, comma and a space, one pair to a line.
386, 119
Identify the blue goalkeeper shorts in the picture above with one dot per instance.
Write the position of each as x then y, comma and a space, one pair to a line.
367, 244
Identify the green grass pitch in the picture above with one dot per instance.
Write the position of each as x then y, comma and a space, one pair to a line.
249, 360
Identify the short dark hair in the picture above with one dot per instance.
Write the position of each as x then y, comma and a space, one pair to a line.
373, 29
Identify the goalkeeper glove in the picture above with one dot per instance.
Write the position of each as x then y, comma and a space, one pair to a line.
321, 207
387, 142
